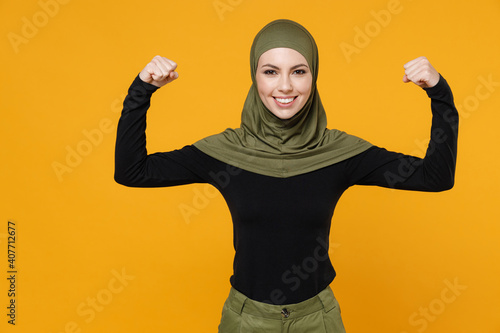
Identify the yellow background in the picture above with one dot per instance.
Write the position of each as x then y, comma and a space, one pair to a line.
396, 252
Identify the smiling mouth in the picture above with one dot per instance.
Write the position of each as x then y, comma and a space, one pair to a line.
285, 101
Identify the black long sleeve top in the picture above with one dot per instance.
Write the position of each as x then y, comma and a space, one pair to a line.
281, 226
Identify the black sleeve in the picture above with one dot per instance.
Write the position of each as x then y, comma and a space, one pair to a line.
133, 166
435, 172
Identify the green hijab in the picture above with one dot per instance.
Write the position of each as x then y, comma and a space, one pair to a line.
268, 145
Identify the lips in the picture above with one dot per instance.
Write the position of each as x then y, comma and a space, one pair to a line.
284, 101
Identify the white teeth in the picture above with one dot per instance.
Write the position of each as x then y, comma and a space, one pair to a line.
285, 100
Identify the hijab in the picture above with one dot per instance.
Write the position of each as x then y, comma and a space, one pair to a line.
268, 145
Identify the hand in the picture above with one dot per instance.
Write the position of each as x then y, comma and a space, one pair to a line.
421, 72
159, 72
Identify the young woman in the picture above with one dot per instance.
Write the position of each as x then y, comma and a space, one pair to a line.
281, 174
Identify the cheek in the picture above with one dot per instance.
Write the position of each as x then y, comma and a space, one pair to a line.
304, 88
263, 87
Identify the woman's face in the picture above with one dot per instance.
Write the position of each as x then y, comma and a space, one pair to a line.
284, 81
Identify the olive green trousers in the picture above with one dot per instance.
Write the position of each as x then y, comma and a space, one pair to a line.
319, 314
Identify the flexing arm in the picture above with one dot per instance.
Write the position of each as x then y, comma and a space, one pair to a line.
436, 171
133, 165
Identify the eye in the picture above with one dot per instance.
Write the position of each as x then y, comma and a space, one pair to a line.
269, 72
300, 72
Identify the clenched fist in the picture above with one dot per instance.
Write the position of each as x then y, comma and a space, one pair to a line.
159, 72
421, 72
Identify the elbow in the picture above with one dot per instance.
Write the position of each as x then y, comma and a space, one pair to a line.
446, 188
119, 179
129, 174
122, 179
444, 185
124, 174
440, 180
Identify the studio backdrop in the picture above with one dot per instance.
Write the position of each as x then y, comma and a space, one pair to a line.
81, 253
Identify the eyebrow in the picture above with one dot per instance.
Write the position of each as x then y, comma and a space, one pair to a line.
293, 67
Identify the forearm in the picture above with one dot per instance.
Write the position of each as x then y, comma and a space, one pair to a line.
130, 150
438, 166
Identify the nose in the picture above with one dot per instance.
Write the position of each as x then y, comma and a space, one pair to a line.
285, 84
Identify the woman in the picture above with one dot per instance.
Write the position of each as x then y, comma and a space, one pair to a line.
281, 174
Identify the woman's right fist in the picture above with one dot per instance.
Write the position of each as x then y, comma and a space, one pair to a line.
159, 72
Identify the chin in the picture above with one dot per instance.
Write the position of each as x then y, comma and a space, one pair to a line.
284, 116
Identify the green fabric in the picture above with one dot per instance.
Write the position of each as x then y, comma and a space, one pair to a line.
319, 314
270, 146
